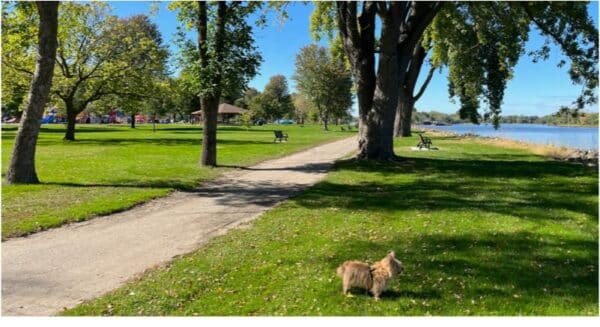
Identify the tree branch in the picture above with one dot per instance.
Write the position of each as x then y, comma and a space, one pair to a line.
64, 67
543, 28
414, 69
424, 86
19, 69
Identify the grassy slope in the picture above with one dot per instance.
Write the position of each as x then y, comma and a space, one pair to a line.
111, 168
481, 230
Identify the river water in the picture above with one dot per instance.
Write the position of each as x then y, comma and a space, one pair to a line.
584, 138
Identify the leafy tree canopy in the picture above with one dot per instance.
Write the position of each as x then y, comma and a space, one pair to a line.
99, 56
325, 81
240, 60
481, 43
276, 100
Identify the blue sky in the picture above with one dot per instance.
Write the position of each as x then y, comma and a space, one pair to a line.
536, 89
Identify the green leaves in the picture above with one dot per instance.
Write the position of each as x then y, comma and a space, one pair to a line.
99, 56
323, 20
275, 102
229, 71
481, 44
568, 25
324, 80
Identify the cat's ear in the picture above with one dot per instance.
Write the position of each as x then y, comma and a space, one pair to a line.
392, 254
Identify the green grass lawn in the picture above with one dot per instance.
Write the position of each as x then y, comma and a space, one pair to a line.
481, 230
111, 168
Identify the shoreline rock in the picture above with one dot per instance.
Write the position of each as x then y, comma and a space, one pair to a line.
586, 157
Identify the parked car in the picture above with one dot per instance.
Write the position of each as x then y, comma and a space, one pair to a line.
284, 122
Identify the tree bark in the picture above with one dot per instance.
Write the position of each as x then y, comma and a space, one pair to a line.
209, 137
406, 99
359, 45
71, 121
377, 94
410, 61
385, 97
402, 124
22, 165
210, 102
154, 122
133, 120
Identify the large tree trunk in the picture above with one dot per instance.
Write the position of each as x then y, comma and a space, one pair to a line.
210, 102
410, 60
402, 123
132, 120
210, 109
71, 121
376, 140
359, 44
402, 26
22, 165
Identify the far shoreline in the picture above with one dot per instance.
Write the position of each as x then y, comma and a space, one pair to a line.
553, 125
587, 157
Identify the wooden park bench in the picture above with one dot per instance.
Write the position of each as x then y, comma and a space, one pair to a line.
281, 136
424, 142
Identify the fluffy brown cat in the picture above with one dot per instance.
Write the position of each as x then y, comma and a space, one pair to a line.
374, 278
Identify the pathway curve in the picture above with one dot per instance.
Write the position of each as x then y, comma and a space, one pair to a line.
55, 269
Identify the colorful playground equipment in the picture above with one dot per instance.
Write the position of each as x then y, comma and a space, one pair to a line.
50, 116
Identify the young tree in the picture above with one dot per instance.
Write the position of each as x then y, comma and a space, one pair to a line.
324, 81
184, 93
302, 107
275, 101
22, 165
479, 42
224, 58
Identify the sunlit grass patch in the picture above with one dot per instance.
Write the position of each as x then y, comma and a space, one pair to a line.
111, 168
481, 230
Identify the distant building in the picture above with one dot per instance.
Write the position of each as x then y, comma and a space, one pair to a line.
228, 114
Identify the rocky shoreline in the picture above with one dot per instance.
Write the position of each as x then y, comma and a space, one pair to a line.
585, 157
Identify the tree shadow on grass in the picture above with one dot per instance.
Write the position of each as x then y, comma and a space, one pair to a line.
316, 168
490, 265
528, 190
243, 129
160, 184
486, 165
423, 295
152, 141
239, 194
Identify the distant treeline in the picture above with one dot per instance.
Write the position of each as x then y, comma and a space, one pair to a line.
564, 116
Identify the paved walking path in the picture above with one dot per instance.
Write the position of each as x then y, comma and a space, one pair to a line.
55, 269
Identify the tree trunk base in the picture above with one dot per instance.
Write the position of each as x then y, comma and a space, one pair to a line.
382, 157
393, 158
29, 177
